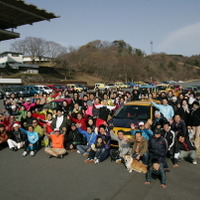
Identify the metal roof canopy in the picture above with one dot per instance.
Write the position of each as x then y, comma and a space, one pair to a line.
7, 35
14, 13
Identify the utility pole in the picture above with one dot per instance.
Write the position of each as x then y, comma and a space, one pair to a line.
151, 44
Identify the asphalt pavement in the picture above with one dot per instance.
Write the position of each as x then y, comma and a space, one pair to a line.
44, 178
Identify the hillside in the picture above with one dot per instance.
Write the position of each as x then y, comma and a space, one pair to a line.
100, 61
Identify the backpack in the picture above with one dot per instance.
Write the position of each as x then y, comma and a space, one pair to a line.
114, 154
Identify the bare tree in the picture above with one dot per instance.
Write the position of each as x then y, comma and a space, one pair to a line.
53, 49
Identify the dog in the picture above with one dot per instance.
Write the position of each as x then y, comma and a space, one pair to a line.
132, 164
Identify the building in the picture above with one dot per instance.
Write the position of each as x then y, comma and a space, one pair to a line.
14, 61
14, 13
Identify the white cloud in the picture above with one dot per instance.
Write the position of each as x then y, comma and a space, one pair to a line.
184, 41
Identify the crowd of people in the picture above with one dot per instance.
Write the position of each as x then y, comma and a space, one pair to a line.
82, 126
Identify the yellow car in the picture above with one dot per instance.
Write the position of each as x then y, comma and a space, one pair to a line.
132, 112
121, 85
74, 87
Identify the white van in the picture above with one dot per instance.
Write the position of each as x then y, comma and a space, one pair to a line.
44, 88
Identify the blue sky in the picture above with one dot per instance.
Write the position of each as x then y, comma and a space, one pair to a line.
173, 25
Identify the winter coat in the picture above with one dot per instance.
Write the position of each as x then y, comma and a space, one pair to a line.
195, 117
91, 138
124, 146
158, 146
170, 137
166, 110
74, 137
142, 147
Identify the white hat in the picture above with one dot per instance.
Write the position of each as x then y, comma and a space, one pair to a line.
56, 129
141, 124
15, 125
28, 99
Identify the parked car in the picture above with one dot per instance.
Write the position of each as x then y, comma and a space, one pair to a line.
56, 88
100, 86
8, 91
74, 88
2, 94
132, 112
57, 103
82, 86
120, 85
33, 89
46, 89
111, 86
21, 91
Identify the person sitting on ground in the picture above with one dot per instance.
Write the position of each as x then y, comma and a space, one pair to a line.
74, 138
104, 153
57, 150
90, 138
31, 144
17, 138
184, 149
146, 133
96, 150
3, 137
156, 171
140, 148
124, 144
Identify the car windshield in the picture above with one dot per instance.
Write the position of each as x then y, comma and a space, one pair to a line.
133, 112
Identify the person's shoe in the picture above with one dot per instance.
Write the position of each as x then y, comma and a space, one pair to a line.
166, 170
32, 153
85, 154
96, 161
59, 156
89, 160
78, 151
50, 156
15, 149
119, 161
24, 153
194, 162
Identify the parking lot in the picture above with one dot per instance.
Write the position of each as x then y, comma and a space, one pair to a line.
70, 178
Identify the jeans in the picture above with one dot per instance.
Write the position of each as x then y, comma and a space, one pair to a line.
83, 148
144, 158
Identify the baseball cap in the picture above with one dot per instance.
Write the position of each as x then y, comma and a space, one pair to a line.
157, 112
15, 125
56, 129
141, 124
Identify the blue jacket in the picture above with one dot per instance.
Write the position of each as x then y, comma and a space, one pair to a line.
91, 138
167, 110
32, 136
146, 133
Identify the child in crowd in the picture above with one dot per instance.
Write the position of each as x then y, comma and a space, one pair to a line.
96, 150
156, 171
